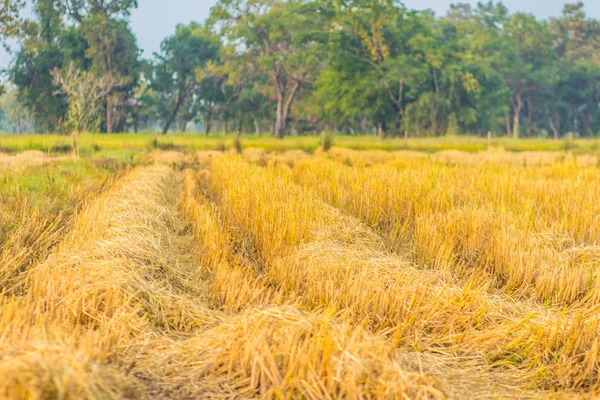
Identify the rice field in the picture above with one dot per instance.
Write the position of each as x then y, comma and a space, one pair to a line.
90, 144
288, 273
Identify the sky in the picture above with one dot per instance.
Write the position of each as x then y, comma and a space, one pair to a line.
156, 19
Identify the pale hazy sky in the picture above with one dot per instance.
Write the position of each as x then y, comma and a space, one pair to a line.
156, 19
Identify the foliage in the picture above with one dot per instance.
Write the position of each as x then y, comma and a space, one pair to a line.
15, 116
304, 66
88, 34
175, 83
85, 92
327, 141
274, 39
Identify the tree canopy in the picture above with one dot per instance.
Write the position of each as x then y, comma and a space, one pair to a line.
301, 66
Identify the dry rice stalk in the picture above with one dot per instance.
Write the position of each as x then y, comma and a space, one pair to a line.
282, 353
311, 253
121, 310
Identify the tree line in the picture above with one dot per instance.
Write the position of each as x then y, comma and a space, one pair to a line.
303, 66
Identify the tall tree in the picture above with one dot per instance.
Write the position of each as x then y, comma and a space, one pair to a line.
181, 55
278, 38
85, 92
79, 9
46, 43
527, 61
576, 100
14, 112
142, 104
113, 50
87, 33
10, 22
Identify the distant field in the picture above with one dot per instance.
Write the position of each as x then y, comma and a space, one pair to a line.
138, 273
90, 143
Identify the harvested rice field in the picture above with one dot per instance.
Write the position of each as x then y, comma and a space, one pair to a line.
329, 275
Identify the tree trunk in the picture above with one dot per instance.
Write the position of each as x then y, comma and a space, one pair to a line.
530, 127
364, 126
240, 127
516, 119
226, 128
508, 128
207, 121
380, 131
207, 128
180, 100
554, 128
273, 127
256, 127
587, 124
75, 149
109, 115
398, 103
435, 123
283, 108
280, 123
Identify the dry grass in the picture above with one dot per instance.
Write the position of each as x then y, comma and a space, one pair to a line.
119, 281
121, 309
36, 208
309, 252
531, 231
340, 275
29, 157
494, 156
281, 350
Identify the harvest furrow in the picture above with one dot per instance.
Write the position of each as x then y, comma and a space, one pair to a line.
37, 205
309, 252
122, 309
511, 230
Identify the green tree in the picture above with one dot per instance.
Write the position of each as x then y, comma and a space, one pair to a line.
10, 21
14, 112
85, 93
528, 62
112, 49
79, 9
43, 49
87, 33
142, 104
278, 38
576, 95
181, 55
